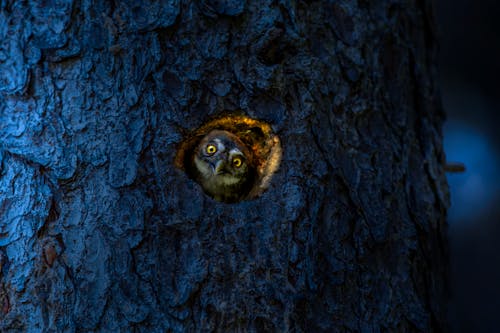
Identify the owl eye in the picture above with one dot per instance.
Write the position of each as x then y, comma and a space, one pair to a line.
237, 162
211, 149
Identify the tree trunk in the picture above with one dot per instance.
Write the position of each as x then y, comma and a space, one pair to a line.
99, 231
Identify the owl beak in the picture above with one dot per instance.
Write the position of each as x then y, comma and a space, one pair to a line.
219, 167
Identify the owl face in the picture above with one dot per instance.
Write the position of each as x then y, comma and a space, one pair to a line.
232, 157
222, 161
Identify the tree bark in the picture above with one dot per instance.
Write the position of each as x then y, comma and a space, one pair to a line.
99, 232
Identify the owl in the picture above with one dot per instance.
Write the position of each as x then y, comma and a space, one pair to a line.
223, 166
232, 157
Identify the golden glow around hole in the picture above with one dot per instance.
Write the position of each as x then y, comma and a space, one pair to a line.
261, 156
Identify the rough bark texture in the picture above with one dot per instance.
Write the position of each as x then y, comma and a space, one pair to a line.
100, 232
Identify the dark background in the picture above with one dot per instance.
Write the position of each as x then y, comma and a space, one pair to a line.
470, 73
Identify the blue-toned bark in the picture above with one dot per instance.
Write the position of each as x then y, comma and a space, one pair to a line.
100, 232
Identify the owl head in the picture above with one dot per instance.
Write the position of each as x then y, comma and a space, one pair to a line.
223, 166
232, 157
